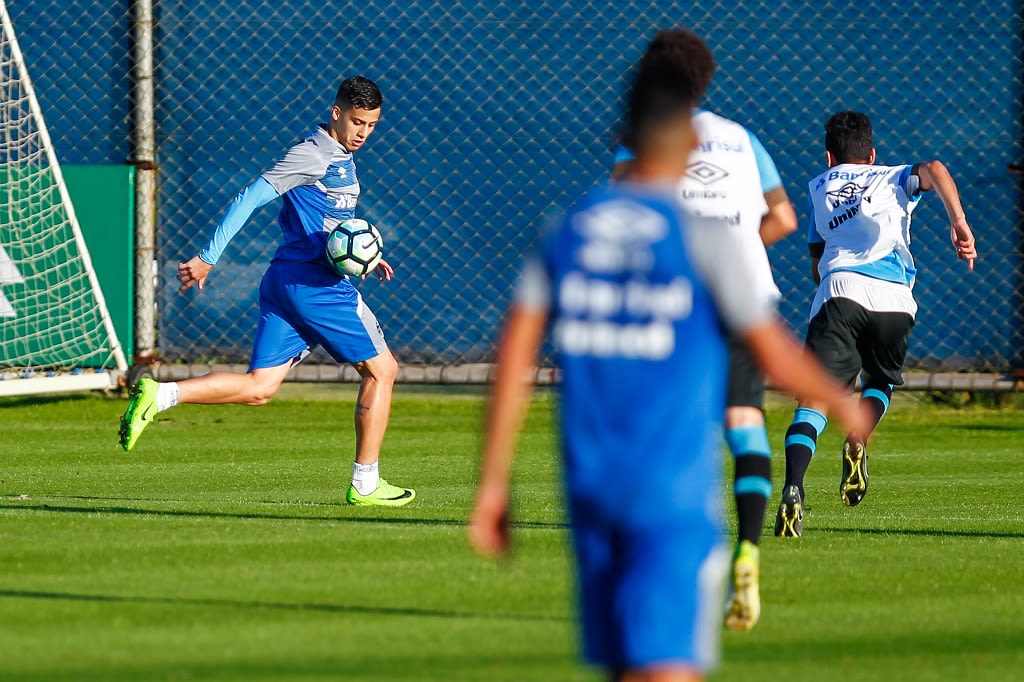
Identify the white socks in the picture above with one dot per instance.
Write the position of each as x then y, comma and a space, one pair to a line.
365, 477
166, 396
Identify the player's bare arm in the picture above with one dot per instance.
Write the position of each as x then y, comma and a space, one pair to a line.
516, 356
192, 272
935, 175
780, 220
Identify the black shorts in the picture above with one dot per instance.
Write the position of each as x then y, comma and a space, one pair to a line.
746, 382
848, 338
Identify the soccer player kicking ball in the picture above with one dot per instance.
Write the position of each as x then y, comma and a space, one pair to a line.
634, 292
303, 300
732, 176
859, 236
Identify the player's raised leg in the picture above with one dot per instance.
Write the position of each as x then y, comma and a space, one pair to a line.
149, 397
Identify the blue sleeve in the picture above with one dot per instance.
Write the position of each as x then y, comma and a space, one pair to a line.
622, 154
260, 193
812, 230
770, 178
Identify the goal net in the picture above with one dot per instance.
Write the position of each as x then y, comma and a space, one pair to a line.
55, 331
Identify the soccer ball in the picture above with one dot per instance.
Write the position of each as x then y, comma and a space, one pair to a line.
354, 247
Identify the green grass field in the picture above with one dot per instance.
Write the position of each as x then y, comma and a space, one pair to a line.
218, 550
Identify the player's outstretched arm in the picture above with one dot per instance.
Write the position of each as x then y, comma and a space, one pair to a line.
935, 175
196, 270
795, 371
516, 356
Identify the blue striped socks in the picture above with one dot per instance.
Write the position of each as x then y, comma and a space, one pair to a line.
752, 484
801, 442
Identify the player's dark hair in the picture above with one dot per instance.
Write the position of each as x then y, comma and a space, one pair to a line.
668, 82
685, 51
848, 136
358, 92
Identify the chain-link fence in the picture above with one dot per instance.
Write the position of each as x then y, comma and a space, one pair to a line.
498, 113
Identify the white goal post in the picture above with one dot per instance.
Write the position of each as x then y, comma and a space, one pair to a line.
56, 333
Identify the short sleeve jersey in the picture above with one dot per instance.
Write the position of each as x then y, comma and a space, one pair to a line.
317, 180
860, 214
635, 301
728, 174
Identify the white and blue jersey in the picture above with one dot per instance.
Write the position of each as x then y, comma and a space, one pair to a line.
859, 215
317, 179
304, 302
728, 175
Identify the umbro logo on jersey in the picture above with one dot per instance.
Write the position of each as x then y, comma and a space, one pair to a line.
706, 173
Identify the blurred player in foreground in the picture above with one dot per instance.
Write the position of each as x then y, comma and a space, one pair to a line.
304, 302
634, 298
860, 320
732, 176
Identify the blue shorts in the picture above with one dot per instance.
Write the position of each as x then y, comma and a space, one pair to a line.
303, 305
650, 596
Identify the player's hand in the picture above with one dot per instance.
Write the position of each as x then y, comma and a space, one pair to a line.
963, 241
193, 271
384, 271
855, 416
488, 525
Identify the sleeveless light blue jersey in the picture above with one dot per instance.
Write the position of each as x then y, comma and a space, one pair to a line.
642, 354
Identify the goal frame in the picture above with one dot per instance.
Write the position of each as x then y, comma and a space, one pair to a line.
73, 379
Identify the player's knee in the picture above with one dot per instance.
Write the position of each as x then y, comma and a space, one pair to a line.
389, 368
261, 392
383, 368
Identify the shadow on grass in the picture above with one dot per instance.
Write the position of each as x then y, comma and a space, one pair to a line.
347, 609
45, 399
268, 516
921, 532
986, 427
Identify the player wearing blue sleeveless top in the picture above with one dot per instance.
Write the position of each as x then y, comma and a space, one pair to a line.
860, 321
630, 290
304, 302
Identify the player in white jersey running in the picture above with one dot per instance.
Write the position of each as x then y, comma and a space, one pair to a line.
304, 302
732, 177
860, 320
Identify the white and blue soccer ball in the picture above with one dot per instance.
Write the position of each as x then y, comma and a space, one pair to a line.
355, 247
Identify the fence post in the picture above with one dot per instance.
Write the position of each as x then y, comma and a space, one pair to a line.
144, 157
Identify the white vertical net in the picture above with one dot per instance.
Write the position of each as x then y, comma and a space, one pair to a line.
51, 319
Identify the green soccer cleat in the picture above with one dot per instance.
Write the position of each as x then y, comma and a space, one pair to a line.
140, 412
789, 523
854, 484
744, 605
386, 495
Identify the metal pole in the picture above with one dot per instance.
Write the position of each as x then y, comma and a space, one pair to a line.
145, 184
